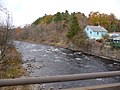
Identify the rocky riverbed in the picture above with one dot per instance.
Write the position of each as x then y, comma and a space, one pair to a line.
42, 60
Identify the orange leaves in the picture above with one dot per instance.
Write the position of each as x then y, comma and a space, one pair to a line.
18, 31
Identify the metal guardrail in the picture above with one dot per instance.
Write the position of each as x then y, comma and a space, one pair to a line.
58, 78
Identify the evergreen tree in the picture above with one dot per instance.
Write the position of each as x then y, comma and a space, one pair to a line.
74, 27
58, 17
36, 22
112, 27
66, 16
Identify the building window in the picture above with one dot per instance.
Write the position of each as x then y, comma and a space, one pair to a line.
97, 33
87, 28
90, 32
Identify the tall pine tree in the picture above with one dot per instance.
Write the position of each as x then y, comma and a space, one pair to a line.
74, 27
58, 17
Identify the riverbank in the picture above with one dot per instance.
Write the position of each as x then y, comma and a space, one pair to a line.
98, 49
11, 67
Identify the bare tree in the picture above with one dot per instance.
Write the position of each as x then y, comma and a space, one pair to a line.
5, 26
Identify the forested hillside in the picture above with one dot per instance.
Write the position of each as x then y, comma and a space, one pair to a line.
110, 22
61, 28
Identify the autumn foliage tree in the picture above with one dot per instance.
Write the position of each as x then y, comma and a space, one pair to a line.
110, 22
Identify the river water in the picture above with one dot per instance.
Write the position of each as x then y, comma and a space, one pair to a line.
43, 60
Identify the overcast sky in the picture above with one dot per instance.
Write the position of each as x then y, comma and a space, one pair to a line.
27, 11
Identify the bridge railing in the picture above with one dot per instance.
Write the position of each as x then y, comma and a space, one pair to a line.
58, 78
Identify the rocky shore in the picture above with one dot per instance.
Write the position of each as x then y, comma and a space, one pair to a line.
99, 50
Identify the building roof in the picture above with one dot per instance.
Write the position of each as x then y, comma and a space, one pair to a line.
116, 38
114, 34
98, 28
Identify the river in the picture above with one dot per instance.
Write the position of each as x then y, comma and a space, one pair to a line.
42, 60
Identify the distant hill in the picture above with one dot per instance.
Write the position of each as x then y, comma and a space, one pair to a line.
110, 22
59, 17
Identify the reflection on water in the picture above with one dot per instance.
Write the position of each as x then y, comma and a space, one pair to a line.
41, 60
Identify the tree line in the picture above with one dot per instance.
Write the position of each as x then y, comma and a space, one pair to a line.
108, 21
